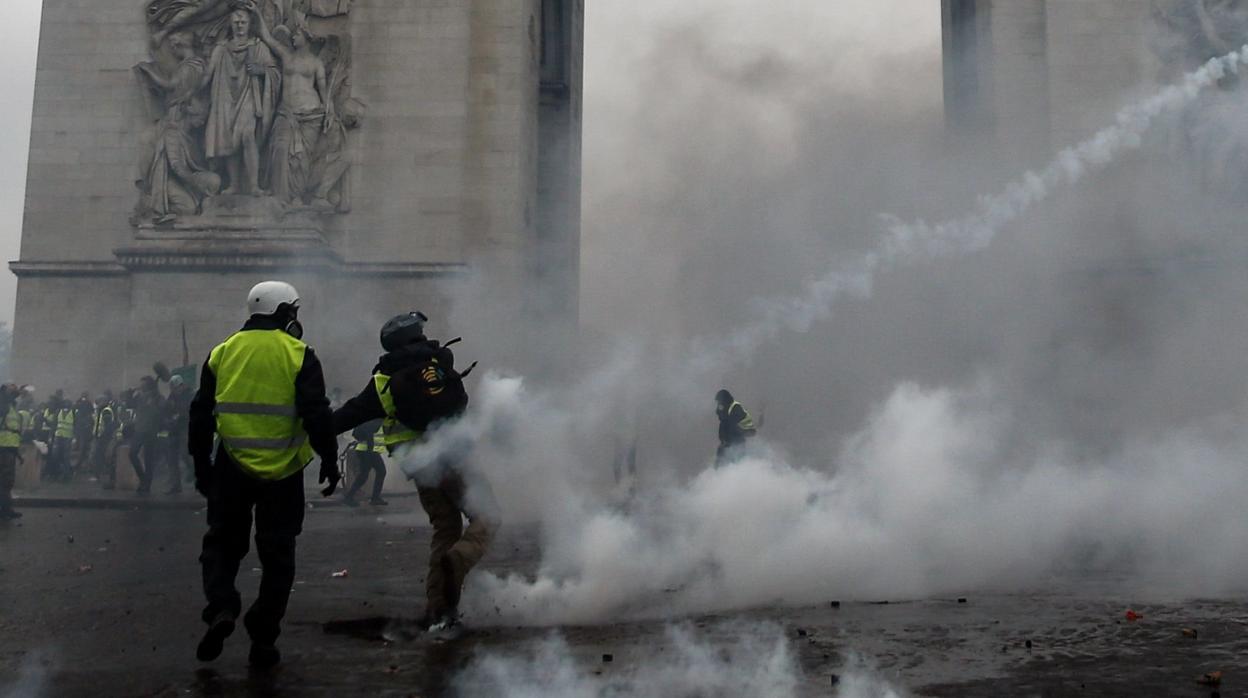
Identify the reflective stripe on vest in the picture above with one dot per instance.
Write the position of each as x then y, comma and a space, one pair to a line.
99, 419
393, 431
11, 429
746, 423
127, 417
65, 424
255, 402
379, 442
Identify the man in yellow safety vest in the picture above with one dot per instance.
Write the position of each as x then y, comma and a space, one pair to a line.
10, 444
735, 427
102, 444
369, 452
262, 392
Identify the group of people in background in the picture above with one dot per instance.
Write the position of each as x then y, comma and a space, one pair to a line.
81, 440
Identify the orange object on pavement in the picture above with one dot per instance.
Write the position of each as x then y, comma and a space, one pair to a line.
1213, 678
1133, 616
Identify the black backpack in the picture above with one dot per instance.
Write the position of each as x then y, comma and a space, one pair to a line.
430, 390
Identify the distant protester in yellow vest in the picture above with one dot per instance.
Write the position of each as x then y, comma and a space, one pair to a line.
10, 444
262, 392
368, 453
735, 427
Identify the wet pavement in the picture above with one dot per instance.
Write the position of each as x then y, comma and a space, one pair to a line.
106, 602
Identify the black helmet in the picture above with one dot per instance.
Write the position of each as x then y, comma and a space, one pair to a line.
402, 330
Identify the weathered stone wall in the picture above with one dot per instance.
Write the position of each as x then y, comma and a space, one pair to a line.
1052, 72
1099, 59
443, 181
1019, 78
85, 132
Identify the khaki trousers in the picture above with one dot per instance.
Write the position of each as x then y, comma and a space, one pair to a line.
456, 549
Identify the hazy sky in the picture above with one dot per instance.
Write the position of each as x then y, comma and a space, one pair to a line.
19, 37
805, 25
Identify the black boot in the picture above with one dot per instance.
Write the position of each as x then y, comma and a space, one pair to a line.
210, 646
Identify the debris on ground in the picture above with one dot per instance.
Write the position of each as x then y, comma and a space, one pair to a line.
1133, 616
340, 574
836, 604
961, 599
608, 658
1190, 632
69, 539
1213, 678
83, 569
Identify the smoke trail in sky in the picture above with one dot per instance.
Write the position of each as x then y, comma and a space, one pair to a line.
911, 242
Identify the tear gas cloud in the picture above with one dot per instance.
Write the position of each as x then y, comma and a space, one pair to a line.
1062, 401
753, 662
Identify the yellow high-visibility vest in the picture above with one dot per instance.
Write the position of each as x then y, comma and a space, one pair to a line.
99, 419
65, 424
379, 442
394, 432
11, 429
747, 422
255, 412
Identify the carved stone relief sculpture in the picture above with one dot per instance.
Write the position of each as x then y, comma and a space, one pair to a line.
247, 102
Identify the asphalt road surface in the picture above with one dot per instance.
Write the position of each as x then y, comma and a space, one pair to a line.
104, 602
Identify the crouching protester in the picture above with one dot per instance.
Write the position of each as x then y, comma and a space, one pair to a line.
413, 388
263, 393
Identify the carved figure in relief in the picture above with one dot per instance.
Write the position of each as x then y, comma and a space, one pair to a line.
304, 154
238, 106
244, 83
176, 180
172, 15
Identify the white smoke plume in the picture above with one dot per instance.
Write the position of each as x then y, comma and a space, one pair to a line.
752, 662
932, 495
32, 676
924, 501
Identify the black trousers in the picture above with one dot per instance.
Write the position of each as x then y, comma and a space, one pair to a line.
145, 456
175, 458
104, 459
58, 465
83, 443
366, 462
278, 508
8, 476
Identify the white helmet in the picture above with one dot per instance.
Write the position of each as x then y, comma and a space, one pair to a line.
267, 296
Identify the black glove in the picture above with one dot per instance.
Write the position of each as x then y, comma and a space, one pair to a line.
329, 471
203, 474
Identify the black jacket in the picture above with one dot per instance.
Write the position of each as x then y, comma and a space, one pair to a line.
731, 431
366, 433
366, 406
177, 411
311, 405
